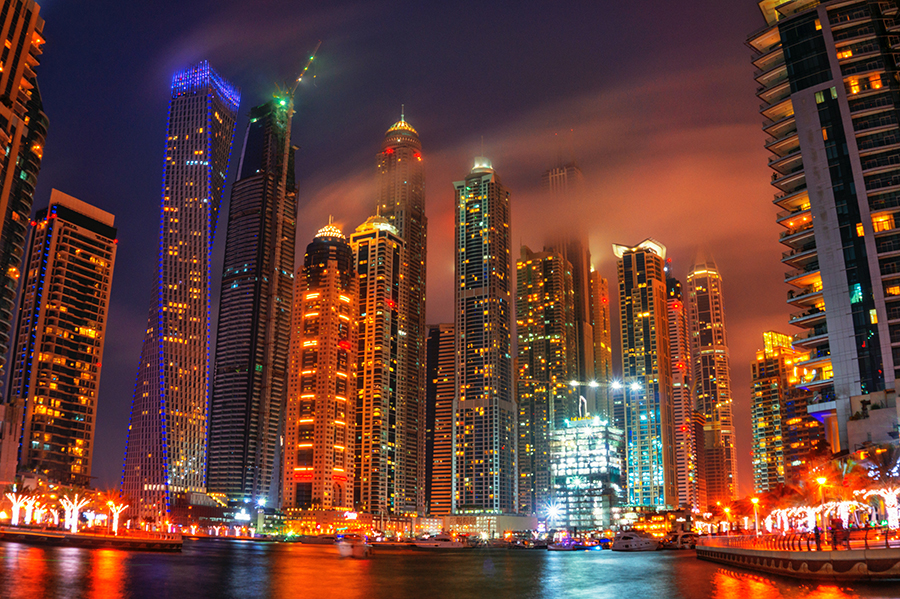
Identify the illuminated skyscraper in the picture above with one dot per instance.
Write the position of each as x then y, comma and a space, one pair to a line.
586, 474
167, 434
23, 127
546, 362
686, 473
826, 72
321, 411
484, 433
401, 199
380, 483
783, 432
647, 375
55, 374
603, 373
712, 379
250, 384
441, 384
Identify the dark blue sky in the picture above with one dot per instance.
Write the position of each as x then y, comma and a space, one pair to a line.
655, 99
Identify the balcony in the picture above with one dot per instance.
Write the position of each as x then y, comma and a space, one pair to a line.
790, 182
786, 143
802, 257
814, 337
788, 163
776, 112
790, 218
810, 291
793, 235
780, 126
791, 201
807, 317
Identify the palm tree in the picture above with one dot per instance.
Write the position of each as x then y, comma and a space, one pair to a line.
883, 480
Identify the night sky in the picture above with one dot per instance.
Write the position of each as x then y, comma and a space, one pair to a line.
654, 99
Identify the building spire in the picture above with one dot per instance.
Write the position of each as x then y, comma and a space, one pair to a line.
403, 112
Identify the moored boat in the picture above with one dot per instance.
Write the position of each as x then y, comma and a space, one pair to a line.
440, 541
634, 540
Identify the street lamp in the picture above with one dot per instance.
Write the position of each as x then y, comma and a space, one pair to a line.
755, 502
822, 480
728, 519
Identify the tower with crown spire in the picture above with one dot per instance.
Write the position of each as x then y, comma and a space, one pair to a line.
401, 202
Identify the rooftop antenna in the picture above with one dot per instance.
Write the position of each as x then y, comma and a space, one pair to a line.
330, 219
403, 112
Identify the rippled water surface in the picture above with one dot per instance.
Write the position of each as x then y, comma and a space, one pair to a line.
242, 569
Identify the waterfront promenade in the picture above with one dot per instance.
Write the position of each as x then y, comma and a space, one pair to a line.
125, 540
864, 555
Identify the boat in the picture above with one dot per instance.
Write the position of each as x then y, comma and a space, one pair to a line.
440, 541
568, 545
354, 546
317, 539
634, 540
680, 540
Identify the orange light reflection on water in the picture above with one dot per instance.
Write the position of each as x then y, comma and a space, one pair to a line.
106, 574
31, 563
728, 584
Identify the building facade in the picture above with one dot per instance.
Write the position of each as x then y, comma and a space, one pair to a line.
646, 375
547, 355
712, 379
602, 323
380, 481
321, 407
686, 473
484, 426
401, 199
250, 385
58, 351
441, 362
23, 128
587, 474
784, 433
167, 433
826, 75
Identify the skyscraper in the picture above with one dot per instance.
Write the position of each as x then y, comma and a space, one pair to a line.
23, 127
381, 483
712, 376
827, 82
647, 375
321, 411
484, 427
166, 447
545, 326
55, 374
686, 473
440, 391
401, 199
253, 339
784, 433
602, 347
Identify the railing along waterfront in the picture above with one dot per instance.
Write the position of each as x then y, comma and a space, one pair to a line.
839, 540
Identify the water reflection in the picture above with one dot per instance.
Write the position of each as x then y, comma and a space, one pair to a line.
230, 569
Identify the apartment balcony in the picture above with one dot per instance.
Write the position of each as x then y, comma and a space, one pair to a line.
893, 312
790, 182
805, 297
788, 163
792, 201
802, 257
815, 337
778, 111
782, 126
818, 358
807, 318
776, 93
771, 72
786, 143
795, 217
793, 237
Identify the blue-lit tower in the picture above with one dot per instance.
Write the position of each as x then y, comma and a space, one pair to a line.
166, 449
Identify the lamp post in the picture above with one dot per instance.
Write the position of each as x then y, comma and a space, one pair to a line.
728, 519
755, 502
821, 480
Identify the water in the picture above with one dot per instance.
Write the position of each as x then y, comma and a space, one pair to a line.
242, 569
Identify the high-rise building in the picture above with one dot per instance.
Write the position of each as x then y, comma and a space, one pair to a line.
321, 408
603, 373
646, 375
250, 381
58, 351
401, 199
380, 481
712, 379
484, 426
23, 127
441, 362
698, 422
545, 326
587, 474
826, 75
784, 433
565, 182
686, 473
167, 434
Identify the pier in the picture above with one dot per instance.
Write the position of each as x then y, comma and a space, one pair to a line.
128, 541
864, 555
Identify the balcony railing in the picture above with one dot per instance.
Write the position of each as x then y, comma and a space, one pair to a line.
806, 313
808, 290
785, 234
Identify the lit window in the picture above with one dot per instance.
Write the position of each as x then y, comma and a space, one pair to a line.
859, 230
845, 53
882, 222
892, 290
873, 316
875, 81
818, 25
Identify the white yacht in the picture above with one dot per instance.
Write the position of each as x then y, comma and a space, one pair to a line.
634, 540
441, 541
354, 546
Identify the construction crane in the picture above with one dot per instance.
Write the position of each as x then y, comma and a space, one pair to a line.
306, 68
